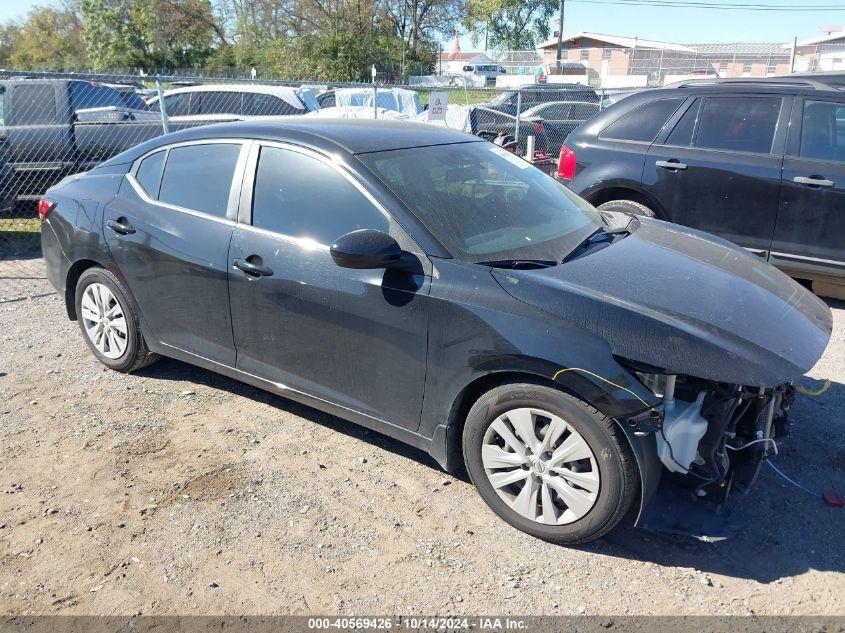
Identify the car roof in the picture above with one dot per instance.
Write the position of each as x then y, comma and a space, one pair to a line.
351, 136
780, 85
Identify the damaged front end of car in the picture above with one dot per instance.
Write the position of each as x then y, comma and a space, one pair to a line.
711, 439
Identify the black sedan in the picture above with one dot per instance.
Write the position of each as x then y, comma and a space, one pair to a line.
436, 288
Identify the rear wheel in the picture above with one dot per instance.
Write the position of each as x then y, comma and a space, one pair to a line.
108, 323
627, 206
549, 464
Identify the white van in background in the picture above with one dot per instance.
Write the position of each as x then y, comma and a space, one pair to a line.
488, 71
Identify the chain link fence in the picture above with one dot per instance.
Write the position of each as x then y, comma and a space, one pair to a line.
56, 124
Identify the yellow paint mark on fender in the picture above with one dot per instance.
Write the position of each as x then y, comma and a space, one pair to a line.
602, 378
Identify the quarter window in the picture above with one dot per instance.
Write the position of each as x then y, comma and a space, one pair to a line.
740, 124
149, 173
823, 131
301, 196
681, 136
643, 123
199, 177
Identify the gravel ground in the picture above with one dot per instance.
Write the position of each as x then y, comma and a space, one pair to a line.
178, 491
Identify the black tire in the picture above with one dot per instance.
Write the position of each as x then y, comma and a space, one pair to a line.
619, 479
627, 206
136, 355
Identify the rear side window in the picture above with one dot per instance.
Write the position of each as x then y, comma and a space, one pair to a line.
740, 124
199, 177
681, 136
88, 95
149, 173
823, 131
34, 104
177, 105
221, 102
300, 196
261, 104
643, 123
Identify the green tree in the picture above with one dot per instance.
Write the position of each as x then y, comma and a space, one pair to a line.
511, 24
50, 38
150, 33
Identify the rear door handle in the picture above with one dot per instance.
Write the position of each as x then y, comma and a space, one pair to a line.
121, 228
813, 181
252, 269
670, 164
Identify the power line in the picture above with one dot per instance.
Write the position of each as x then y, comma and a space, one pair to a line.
688, 4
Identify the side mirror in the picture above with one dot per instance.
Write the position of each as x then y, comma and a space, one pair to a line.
365, 248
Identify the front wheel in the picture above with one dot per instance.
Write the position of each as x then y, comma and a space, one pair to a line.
549, 464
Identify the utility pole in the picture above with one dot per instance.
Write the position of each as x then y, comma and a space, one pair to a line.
792, 54
559, 36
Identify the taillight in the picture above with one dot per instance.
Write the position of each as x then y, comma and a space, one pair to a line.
538, 127
44, 208
566, 164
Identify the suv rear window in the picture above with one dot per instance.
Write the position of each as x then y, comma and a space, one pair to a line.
643, 123
740, 124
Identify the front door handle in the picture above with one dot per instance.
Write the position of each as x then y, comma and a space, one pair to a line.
121, 228
813, 181
670, 164
254, 270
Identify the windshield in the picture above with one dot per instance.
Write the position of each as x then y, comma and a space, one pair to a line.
485, 204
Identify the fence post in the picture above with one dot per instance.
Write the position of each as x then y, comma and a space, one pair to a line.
375, 100
518, 113
164, 125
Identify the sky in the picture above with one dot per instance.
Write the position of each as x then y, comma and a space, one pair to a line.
659, 23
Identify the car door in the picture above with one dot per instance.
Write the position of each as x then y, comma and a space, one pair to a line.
810, 230
354, 338
169, 230
718, 167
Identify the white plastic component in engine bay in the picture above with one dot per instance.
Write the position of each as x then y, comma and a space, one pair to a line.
683, 428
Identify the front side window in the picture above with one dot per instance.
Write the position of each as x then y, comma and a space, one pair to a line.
301, 196
199, 177
483, 203
149, 173
643, 123
740, 124
823, 131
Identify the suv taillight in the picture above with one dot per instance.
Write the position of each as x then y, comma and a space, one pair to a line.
566, 164
44, 207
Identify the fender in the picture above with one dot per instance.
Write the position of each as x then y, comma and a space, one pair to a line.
594, 193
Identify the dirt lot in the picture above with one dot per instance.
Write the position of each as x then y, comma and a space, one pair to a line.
175, 490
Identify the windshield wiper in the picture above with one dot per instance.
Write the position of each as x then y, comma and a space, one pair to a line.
600, 237
520, 264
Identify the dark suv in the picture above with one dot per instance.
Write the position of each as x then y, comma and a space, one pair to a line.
758, 162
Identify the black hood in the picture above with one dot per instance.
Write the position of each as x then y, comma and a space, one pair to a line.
687, 302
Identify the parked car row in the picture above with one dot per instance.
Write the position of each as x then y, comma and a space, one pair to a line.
55, 127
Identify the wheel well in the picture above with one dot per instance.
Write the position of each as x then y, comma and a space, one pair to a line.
470, 394
624, 193
73, 275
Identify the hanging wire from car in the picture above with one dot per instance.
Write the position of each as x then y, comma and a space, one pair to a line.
792, 481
